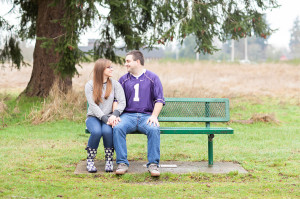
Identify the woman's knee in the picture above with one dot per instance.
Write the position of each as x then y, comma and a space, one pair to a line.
96, 132
107, 132
94, 126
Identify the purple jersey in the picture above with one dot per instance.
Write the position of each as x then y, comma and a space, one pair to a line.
142, 93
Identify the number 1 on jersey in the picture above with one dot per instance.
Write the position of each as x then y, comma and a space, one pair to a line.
136, 93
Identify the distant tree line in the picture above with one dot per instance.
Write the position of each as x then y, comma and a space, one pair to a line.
295, 39
258, 48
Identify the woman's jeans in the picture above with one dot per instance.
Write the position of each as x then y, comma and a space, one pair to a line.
131, 122
97, 128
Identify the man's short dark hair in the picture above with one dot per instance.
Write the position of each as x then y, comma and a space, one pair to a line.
137, 55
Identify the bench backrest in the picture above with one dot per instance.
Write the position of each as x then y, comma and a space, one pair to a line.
195, 110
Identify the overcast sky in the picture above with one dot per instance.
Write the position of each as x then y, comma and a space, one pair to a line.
281, 18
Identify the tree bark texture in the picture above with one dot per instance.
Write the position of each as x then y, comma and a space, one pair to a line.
43, 76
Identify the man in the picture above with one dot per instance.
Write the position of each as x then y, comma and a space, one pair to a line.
144, 101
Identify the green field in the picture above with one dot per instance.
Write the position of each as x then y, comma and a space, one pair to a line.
38, 161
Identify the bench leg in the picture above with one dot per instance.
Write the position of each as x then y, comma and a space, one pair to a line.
210, 150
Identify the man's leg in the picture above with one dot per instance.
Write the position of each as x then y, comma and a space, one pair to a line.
127, 125
153, 135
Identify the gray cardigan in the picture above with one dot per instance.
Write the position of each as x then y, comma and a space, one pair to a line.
104, 109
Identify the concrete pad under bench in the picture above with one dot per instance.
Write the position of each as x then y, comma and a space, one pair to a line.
169, 166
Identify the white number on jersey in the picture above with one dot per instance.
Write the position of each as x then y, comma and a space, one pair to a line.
136, 93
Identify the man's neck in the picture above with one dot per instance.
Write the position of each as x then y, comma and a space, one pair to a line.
138, 72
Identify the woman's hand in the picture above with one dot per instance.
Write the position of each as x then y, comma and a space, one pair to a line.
116, 121
113, 120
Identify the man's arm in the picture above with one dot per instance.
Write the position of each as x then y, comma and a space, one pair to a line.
153, 118
114, 106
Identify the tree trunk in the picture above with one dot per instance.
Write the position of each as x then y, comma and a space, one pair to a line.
43, 75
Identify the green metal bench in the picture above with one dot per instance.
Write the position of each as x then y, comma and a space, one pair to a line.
195, 110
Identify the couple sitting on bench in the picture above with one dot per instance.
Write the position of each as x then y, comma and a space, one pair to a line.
139, 95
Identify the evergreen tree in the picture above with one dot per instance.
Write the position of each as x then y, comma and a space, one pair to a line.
295, 39
57, 24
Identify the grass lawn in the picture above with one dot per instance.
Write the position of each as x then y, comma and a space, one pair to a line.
38, 161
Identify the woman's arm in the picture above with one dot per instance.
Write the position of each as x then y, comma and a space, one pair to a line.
92, 105
118, 105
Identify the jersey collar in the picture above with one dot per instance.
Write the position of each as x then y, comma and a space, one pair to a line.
144, 71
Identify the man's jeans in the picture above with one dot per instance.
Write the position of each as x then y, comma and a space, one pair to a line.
98, 129
131, 122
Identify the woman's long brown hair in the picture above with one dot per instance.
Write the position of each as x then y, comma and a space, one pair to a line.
100, 66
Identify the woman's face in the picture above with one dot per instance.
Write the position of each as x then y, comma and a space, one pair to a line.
108, 72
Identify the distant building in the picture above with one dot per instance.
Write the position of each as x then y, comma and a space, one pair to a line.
157, 53
89, 47
283, 58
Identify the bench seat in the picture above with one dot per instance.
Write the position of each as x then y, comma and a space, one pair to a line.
190, 130
196, 130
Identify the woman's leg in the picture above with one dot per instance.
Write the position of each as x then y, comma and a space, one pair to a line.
93, 124
108, 146
107, 134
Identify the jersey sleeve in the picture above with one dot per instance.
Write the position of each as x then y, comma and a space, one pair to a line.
120, 97
158, 91
121, 81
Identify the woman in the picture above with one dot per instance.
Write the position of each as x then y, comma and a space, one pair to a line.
100, 94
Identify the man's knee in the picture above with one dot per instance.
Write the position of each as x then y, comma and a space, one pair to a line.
119, 129
153, 129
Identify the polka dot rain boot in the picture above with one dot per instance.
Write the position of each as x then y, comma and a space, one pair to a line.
109, 152
90, 165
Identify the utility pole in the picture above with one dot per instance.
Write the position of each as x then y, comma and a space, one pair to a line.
246, 49
232, 50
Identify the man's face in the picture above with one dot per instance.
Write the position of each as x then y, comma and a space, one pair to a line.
130, 64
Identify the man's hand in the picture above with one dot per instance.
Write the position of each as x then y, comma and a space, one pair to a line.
153, 119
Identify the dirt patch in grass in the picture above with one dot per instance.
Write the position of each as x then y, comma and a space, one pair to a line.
259, 117
242, 121
268, 118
